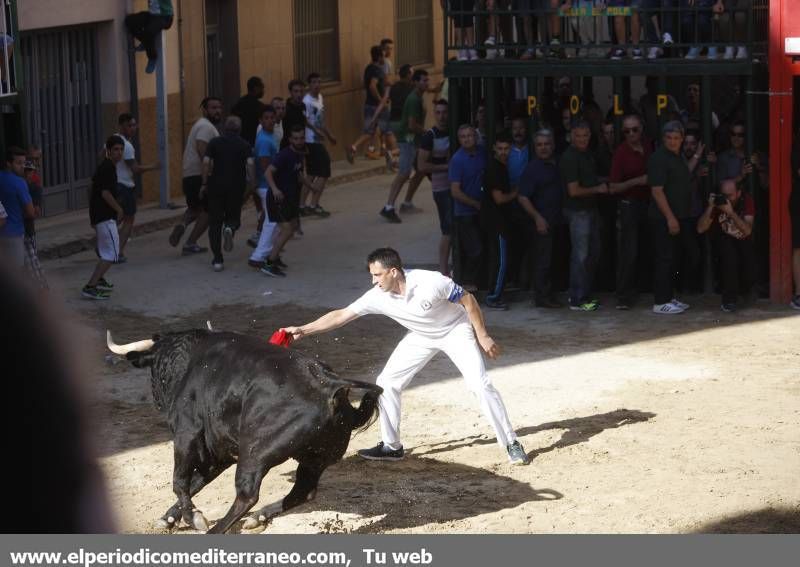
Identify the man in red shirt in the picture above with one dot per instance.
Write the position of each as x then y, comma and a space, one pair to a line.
628, 181
729, 216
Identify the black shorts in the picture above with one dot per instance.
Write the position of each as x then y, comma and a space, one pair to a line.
462, 20
318, 161
127, 199
191, 188
794, 216
283, 211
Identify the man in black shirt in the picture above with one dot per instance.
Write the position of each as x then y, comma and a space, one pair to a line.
249, 109
104, 213
295, 110
376, 106
496, 210
227, 165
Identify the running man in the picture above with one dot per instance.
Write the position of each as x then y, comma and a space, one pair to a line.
440, 316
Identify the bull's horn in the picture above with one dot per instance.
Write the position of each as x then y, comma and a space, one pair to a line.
208, 324
137, 346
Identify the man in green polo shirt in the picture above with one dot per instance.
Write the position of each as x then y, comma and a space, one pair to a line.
670, 215
579, 173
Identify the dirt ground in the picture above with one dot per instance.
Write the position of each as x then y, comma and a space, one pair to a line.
636, 423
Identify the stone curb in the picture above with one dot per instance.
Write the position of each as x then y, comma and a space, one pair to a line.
88, 242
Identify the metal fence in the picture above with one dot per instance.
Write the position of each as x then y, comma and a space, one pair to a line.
62, 111
316, 38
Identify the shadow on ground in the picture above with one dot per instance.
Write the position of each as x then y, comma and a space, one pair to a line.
766, 521
577, 430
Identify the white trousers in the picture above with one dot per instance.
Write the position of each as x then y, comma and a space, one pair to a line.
413, 353
267, 231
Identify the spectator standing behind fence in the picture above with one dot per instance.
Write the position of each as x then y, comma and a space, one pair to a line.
734, 162
794, 216
432, 159
202, 132
628, 181
729, 218
670, 216
496, 210
16, 200
696, 25
541, 194
465, 174
127, 168
733, 27
412, 126
227, 167
32, 264
579, 173
620, 29
464, 27
145, 26
105, 213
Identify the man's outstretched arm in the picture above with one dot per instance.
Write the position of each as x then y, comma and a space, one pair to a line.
475, 315
328, 322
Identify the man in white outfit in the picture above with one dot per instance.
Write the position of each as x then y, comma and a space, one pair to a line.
439, 316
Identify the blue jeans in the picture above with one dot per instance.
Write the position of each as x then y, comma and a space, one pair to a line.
584, 232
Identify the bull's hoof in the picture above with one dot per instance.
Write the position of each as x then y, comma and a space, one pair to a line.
167, 523
199, 521
253, 522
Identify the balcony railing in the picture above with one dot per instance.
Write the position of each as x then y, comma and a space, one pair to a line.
8, 36
581, 30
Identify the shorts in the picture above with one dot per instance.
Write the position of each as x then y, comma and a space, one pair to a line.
408, 158
382, 122
127, 199
191, 188
444, 206
318, 161
283, 211
794, 217
107, 240
463, 20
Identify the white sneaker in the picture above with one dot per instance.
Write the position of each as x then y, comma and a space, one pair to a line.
680, 304
462, 55
490, 42
741, 52
730, 52
667, 38
654, 53
667, 309
473, 54
693, 53
713, 53
218, 266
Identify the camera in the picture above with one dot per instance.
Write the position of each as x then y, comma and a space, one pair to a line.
720, 200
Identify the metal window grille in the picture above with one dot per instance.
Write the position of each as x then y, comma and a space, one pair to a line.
62, 111
414, 39
316, 38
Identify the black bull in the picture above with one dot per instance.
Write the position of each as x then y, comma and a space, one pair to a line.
229, 398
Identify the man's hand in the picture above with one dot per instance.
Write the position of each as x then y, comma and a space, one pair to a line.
490, 347
541, 225
602, 189
277, 194
673, 226
711, 157
296, 332
120, 216
727, 208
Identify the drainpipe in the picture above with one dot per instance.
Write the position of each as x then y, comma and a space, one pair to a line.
133, 94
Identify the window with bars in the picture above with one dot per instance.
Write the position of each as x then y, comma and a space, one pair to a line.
316, 38
414, 37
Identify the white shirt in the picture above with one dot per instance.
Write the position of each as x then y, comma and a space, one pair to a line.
124, 171
204, 131
315, 114
430, 306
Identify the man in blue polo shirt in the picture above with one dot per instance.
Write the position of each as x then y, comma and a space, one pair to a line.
465, 173
17, 203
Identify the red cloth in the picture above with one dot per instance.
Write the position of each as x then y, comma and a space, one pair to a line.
281, 338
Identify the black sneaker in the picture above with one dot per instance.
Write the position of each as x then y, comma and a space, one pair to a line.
279, 262
176, 234
272, 270
496, 304
382, 453
94, 293
306, 211
390, 215
105, 285
517, 454
319, 212
795, 302
252, 242
728, 307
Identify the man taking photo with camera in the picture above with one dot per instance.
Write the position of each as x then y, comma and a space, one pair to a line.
729, 216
